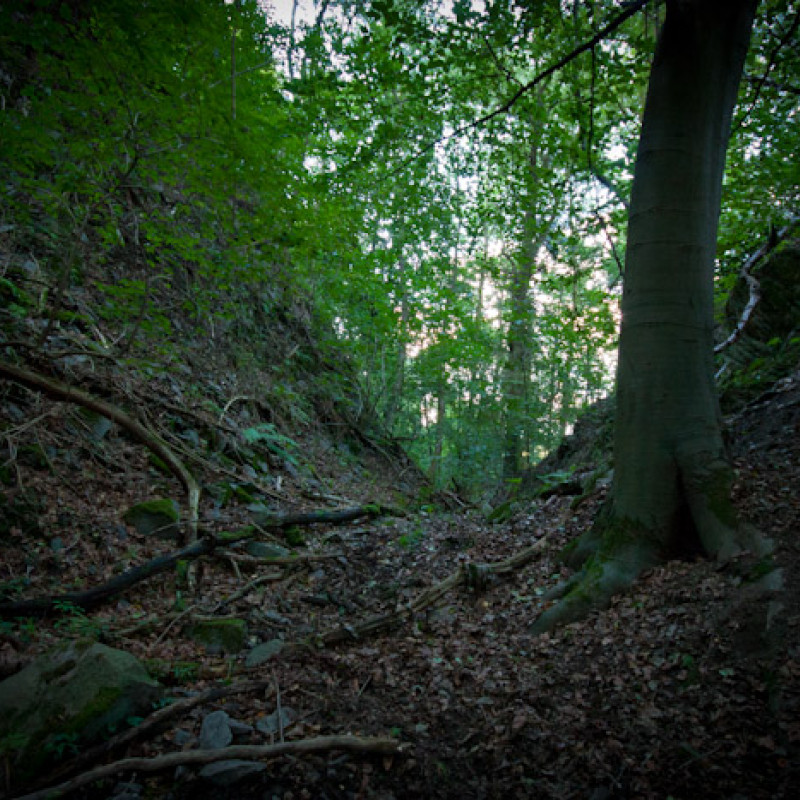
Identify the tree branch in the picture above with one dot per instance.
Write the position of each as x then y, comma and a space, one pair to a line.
630, 9
752, 282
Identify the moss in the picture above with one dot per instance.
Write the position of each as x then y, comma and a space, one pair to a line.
220, 635
228, 537
158, 516
294, 537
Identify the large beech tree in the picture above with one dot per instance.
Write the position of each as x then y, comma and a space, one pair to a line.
671, 490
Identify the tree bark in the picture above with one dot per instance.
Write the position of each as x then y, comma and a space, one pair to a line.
671, 491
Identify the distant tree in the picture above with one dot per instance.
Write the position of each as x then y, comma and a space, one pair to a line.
672, 481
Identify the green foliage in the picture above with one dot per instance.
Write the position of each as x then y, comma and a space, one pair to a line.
61, 745
461, 297
267, 434
75, 622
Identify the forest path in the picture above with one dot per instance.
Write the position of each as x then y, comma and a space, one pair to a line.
671, 691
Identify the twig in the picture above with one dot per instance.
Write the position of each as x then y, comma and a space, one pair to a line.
465, 574
172, 622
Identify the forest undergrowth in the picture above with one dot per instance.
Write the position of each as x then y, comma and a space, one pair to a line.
671, 692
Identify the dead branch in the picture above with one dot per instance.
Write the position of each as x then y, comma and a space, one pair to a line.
327, 517
62, 391
319, 744
97, 595
754, 286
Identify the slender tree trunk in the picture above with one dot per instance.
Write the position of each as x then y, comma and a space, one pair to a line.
671, 491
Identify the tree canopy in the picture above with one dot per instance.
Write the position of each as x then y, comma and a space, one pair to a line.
442, 186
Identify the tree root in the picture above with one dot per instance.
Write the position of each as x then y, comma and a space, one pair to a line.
62, 391
155, 721
592, 589
319, 744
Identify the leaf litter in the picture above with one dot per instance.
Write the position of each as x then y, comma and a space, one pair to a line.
670, 692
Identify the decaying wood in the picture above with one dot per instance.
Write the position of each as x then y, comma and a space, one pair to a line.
335, 516
466, 574
63, 391
155, 721
319, 744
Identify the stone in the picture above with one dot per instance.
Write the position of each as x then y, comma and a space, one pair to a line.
219, 635
263, 652
266, 550
274, 723
159, 517
79, 693
231, 771
215, 732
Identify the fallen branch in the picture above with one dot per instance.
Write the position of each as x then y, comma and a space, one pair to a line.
97, 595
91, 598
155, 721
319, 744
62, 391
326, 517
467, 574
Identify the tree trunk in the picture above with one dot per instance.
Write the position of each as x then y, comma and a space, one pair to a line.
671, 491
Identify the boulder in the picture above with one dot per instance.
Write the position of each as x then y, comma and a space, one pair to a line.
159, 517
219, 635
69, 698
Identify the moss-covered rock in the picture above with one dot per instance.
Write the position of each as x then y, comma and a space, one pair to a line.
219, 635
159, 517
68, 699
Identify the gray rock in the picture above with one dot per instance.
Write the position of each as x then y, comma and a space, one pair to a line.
240, 728
263, 652
274, 723
215, 732
182, 737
81, 690
229, 772
266, 550
127, 790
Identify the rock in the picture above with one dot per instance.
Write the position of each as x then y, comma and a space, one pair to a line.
215, 732
220, 635
226, 773
182, 737
159, 517
263, 652
127, 790
274, 723
99, 425
70, 697
266, 550
240, 728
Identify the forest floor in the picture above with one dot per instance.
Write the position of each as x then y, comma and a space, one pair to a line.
671, 692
